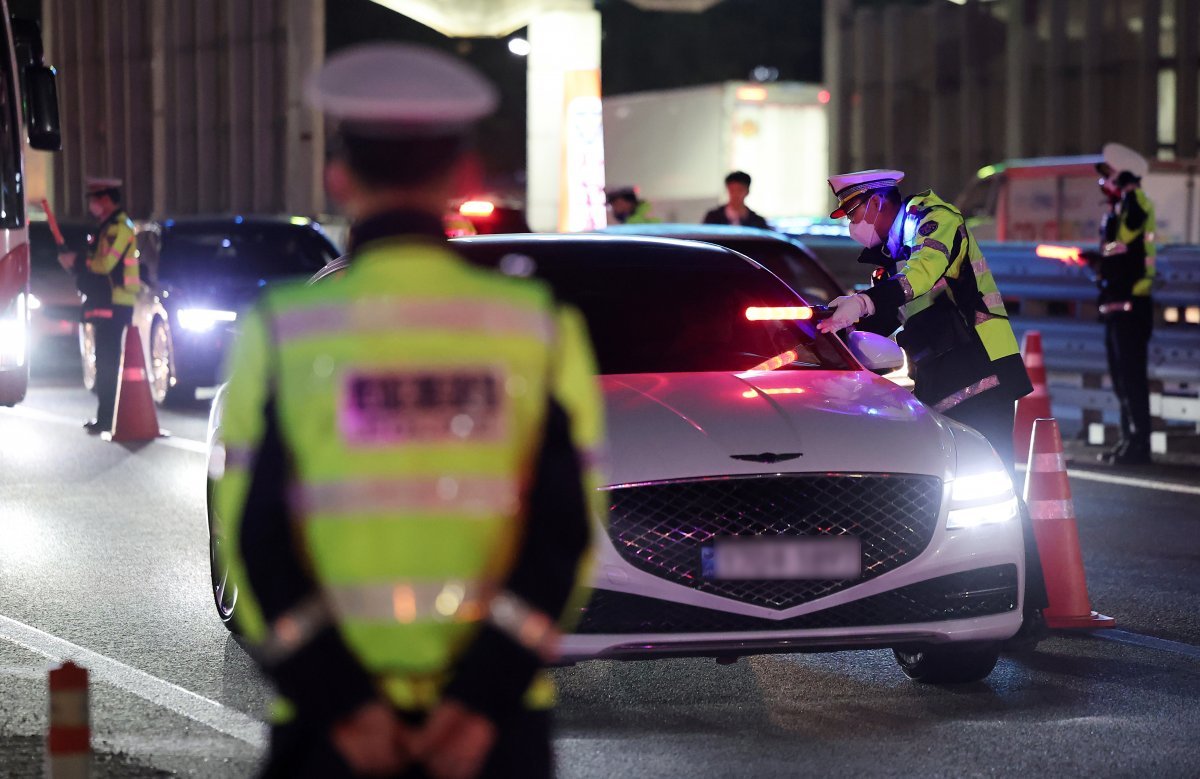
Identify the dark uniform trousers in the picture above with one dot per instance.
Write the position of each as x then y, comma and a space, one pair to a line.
1127, 342
110, 342
522, 751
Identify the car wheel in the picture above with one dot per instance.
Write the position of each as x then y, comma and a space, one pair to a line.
87, 354
162, 362
225, 593
948, 664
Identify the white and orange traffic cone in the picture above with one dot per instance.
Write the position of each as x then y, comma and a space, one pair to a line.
1048, 496
69, 742
1035, 405
134, 418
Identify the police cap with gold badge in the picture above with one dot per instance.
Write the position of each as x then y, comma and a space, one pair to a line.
400, 91
853, 189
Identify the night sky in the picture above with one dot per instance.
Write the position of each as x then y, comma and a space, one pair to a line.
641, 50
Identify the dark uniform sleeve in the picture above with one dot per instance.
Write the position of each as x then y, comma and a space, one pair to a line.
496, 670
1132, 211
321, 677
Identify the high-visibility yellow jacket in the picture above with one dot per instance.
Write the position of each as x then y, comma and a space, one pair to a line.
411, 400
956, 329
1135, 229
114, 259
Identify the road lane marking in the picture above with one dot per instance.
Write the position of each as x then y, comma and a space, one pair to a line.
174, 442
1150, 642
160, 692
1128, 481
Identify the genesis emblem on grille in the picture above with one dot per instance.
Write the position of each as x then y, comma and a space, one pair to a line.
768, 457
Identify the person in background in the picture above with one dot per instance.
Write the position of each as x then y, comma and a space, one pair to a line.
627, 208
109, 279
736, 212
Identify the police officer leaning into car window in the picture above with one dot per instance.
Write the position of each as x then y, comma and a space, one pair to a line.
109, 279
963, 355
408, 456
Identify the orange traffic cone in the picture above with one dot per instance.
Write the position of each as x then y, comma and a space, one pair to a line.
69, 741
134, 418
1048, 495
1035, 405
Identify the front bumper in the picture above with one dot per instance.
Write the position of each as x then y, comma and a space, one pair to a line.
967, 585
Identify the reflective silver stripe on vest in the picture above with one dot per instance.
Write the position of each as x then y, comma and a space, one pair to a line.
906, 285
295, 629
389, 315
441, 494
980, 386
993, 300
241, 457
525, 625
405, 602
936, 246
980, 267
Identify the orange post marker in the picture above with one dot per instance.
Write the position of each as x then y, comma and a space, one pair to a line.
69, 742
135, 418
1048, 495
1035, 405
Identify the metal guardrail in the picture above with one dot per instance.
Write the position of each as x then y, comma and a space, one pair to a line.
1059, 300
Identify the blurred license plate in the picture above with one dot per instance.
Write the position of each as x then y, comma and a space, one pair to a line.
838, 557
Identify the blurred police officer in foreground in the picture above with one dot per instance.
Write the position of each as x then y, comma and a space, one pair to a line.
110, 280
1125, 273
962, 352
405, 495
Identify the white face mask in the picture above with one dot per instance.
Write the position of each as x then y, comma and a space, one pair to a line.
864, 233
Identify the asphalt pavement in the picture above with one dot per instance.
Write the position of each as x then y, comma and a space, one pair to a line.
103, 558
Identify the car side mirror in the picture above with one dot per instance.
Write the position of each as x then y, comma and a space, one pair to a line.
41, 103
876, 353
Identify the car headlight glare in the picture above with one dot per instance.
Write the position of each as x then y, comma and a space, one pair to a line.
981, 499
202, 319
13, 335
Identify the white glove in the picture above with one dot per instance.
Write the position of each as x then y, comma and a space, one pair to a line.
847, 310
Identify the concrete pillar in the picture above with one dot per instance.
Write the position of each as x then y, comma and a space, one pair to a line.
1187, 48
562, 41
1018, 52
1147, 78
304, 155
969, 100
1053, 121
1091, 90
868, 58
838, 72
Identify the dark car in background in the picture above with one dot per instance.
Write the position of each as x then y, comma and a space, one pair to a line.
204, 271
54, 301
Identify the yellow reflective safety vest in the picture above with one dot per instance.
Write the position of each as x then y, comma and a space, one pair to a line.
411, 396
1135, 229
956, 329
115, 258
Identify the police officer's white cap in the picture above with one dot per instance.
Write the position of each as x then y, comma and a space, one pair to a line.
1121, 158
400, 90
850, 188
96, 185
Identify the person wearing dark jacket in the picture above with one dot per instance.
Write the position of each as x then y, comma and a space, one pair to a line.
736, 212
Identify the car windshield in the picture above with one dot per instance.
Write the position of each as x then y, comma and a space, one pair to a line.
655, 311
242, 250
790, 264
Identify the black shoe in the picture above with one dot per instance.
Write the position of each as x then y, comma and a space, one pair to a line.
1133, 455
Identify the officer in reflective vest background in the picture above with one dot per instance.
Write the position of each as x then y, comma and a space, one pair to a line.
962, 353
408, 470
109, 280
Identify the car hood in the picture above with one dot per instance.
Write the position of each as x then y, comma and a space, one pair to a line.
683, 425
203, 291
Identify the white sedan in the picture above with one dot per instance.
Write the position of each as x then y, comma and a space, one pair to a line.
768, 491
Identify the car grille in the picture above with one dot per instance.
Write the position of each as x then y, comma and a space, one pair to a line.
661, 528
977, 593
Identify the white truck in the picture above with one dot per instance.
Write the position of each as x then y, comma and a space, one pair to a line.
1058, 199
677, 145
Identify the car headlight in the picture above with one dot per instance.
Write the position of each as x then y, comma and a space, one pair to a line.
981, 499
201, 319
12, 335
